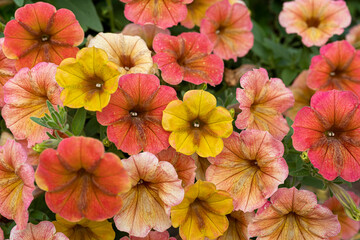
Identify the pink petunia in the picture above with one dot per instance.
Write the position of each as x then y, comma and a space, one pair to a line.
7, 71
329, 131
228, 27
187, 57
43, 231
134, 114
337, 67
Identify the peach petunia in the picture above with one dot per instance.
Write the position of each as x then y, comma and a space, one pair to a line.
187, 57
302, 94
294, 214
134, 114
129, 53
196, 124
201, 165
329, 131
17, 183
353, 37
196, 12
81, 181
262, 100
228, 27
202, 213
88, 80
163, 13
155, 188
349, 227
25, 96
337, 67
85, 229
147, 32
153, 235
183, 164
7, 71
39, 33
250, 168
315, 20
43, 231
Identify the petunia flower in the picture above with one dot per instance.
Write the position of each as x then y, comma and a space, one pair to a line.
134, 114
39, 33
1, 234
196, 124
85, 229
7, 71
349, 227
129, 53
43, 231
17, 183
228, 27
335, 68
196, 12
250, 168
163, 13
25, 96
88, 80
353, 37
315, 20
153, 235
183, 164
155, 188
187, 57
202, 213
262, 100
147, 32
81, 181
294, 214
329, 131
201, 165
302, 94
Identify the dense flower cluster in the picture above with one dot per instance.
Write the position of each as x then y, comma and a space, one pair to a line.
154, 132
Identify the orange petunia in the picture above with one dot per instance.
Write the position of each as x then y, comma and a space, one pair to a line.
250, 168
202, 213
39, 33
81, 180
155, 188
43, 231
7, 71
25, 96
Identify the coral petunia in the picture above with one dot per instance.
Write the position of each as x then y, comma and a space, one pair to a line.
39, 33
202, 213
183, 164
337, 67
134, 114
228, 27
315, 20
147, 32
129, 53
250, 168
302, 94
163, 13
196, 12
17, 183
238, 226
153, 235
187, 57
353, 37
196, 124
88, 80
43, 231
349, 227
81, 181
7, 71
25, 96
155, 188
85, 229
329, 130
262, 100
294, 214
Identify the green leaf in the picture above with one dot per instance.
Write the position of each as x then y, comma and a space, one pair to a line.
288, 75
78, 121
300, 173
39, 121
314, 182
20, 3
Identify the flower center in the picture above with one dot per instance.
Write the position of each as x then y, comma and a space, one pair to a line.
140, 182
98, 85
196, 124
133, 114
45, 37
330, 133
220, 30
126, 62
313, 22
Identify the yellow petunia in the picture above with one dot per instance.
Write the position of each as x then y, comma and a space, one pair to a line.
197, 125
88, 80
203, 211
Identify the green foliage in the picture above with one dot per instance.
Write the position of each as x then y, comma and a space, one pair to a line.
78, 122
